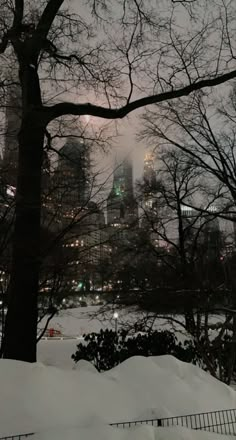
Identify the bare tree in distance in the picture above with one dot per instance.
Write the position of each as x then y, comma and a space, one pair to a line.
204, 130
142, 57
190, 276
195, 276
173, 223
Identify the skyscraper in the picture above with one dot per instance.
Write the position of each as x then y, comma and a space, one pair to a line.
149, 172
122, 208
149, 189
71, 179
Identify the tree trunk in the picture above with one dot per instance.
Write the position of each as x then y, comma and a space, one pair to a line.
232, 354
21, 320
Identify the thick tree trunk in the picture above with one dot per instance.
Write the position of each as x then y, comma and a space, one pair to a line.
232, 354
21, 321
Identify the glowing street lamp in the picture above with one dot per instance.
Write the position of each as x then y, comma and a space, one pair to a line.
116, 316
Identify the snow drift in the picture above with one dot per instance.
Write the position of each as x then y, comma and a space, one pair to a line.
36, 398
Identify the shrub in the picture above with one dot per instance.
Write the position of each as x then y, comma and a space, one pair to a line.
108, 348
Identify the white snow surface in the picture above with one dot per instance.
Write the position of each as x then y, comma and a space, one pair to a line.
138, 433
57, 400
56, 352
73, 323
80, 403
82, 320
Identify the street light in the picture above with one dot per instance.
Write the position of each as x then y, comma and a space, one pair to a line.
116, 316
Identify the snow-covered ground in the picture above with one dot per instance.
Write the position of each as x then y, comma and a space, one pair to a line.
59, 400
77, 321
81, 403
73, 323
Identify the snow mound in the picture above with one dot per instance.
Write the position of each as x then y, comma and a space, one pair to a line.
139, 433
36, 398
167, 387
86, 366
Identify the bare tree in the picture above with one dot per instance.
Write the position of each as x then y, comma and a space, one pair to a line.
203, 128
195, 277
143, 57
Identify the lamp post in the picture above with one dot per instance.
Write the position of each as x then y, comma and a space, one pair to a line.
116, 316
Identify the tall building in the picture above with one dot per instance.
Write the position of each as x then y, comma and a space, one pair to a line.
71, 178
122, 208
149, 171
149, 189
80, 219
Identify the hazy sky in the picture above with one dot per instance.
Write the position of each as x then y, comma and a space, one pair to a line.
127, 144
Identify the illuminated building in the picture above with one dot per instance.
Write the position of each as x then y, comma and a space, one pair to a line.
122, 208
149, 172
149, 183
71, 179
149, 199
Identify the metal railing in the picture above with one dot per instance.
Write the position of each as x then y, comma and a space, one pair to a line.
17, 436
220, 422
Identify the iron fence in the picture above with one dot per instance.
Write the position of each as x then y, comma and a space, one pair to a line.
17, 436
221, 422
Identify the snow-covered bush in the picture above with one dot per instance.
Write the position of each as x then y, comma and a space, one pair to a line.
108, 348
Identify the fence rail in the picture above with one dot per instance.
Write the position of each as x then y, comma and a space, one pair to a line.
220, 422
17, 436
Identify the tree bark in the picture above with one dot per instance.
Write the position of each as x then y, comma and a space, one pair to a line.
21, 320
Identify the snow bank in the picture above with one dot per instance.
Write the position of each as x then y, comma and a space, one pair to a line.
166, 387
36, 398
57, 353
139, 433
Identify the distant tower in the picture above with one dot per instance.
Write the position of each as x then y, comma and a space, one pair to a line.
212, 234
149, 191
149, 173
122, 208
71, 178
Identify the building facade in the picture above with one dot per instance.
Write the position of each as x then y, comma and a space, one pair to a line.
122, 208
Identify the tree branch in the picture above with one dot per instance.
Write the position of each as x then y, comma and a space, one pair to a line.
53, 312
3, 43
66, 108
18, 13
45, 22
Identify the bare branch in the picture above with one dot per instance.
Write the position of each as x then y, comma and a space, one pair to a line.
18, 13
4, 42
45, 22
66, 108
